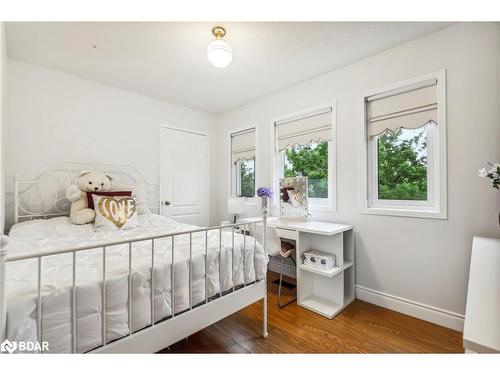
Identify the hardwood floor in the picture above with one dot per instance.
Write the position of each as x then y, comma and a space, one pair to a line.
360, 328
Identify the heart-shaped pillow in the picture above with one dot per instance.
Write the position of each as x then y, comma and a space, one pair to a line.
115, 212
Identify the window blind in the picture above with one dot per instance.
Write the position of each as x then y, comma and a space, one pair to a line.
410, 108
243, 145
302, 130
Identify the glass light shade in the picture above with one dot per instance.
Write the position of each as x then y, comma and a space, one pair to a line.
219, 53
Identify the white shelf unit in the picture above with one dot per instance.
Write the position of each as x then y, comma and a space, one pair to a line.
326, 292
327, 273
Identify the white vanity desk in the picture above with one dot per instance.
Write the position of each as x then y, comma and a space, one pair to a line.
324, 292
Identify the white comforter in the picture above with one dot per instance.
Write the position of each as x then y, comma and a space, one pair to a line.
58, 233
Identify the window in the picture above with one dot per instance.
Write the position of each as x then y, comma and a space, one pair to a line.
304, 147
243, 163
405, 146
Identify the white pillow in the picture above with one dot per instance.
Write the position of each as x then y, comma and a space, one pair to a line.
115, 213
138, 193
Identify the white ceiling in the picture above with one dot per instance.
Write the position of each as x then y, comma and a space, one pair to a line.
167, 60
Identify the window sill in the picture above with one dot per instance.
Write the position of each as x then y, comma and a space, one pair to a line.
405, 212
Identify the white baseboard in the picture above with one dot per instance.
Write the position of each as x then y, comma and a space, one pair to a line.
418, 310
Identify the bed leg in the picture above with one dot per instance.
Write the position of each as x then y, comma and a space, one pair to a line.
264, 213
264, 317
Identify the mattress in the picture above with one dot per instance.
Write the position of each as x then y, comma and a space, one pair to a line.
250, 263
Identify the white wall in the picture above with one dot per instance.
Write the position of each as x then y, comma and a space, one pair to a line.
422, 260
54, 117
3, 61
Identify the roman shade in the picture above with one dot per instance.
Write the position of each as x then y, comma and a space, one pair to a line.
243, 145
410, 108
313, 127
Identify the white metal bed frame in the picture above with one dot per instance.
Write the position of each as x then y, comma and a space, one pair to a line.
33, 202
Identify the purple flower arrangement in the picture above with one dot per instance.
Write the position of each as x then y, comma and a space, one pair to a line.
264, 192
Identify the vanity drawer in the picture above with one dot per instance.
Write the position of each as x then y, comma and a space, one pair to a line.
287, 233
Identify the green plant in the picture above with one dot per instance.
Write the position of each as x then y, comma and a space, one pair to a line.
247, 178
402, 165
311, 161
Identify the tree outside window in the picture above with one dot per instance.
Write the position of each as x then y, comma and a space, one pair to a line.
310, 161
246, 178
402, 164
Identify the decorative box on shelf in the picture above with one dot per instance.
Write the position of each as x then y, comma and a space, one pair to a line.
319, 259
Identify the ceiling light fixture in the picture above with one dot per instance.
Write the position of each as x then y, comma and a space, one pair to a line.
219, 53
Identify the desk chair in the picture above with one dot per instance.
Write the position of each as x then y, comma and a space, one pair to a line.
276, 247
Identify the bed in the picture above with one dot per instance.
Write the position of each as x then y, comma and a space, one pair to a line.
84, 291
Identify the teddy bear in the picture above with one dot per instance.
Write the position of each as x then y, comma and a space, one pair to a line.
88, 181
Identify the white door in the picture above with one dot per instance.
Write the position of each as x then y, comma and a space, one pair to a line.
184, 176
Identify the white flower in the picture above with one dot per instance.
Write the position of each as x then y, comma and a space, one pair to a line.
482, 172
494, 169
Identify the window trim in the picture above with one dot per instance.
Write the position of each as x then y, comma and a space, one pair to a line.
237, 178
233, 190
436, 205
315, 204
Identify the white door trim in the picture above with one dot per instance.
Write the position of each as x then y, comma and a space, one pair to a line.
160, 164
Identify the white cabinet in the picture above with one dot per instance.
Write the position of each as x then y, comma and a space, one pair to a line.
325, 292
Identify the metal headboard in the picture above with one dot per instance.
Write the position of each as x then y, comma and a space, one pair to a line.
45, 197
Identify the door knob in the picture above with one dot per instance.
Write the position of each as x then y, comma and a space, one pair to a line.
166, 203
